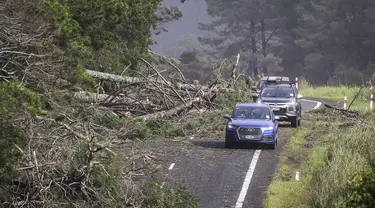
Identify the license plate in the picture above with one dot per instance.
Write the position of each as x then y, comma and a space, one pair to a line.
249, 137
276, 109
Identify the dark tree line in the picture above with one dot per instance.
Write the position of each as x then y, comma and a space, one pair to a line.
328, 42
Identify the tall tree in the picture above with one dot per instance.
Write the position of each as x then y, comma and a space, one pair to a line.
241, 25
337, 36
108, 35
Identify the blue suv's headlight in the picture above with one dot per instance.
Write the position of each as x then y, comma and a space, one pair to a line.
269, 128
232, 127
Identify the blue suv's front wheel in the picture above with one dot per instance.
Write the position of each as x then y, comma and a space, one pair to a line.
274, 145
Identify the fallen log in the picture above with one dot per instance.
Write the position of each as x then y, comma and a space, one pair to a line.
350, 116
173, 111
339, 109
98, 98
129, 80
133, 80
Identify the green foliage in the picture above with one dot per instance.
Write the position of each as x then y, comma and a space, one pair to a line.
337, 94
105, 35
152, 129
361, 189
332, 150
17, 105
63, 19
83, 79
100, 172
158, 196
136, 128
85, 34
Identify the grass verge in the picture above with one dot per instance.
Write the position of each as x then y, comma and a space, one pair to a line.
330, 153
337, 93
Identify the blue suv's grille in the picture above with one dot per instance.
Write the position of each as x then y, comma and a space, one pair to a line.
244, 132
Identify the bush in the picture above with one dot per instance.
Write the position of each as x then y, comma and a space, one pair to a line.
159, 196
17, 106
361, 190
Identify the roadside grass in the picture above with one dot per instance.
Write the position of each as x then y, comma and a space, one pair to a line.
337, 94
284, 190
328, 151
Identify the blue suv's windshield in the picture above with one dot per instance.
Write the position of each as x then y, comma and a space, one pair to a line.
282, 92
251, 113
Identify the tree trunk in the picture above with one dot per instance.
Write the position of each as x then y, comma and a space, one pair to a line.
253, 46
90, 97
149, 81
171, 112
264, 42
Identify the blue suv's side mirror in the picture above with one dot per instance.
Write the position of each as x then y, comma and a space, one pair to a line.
227, 116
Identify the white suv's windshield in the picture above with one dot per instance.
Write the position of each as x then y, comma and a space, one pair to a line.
283, 92
251, 113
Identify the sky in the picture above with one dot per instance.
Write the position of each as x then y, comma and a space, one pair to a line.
193, 11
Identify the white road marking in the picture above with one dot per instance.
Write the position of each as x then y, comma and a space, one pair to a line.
171, 166
246, 183
309, 100
318, 104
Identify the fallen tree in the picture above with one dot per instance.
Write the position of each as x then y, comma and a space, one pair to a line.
150, 81
173, 111
151, 97
350, 115
140, 80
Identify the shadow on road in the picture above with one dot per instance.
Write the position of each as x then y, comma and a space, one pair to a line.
217, 144
220, 144
284, 125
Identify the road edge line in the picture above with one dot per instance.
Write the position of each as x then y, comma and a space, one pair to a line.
318, 104
171, 166
247, 180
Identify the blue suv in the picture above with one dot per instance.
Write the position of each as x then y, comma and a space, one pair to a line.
251, 123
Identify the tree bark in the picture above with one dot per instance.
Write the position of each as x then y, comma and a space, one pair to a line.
253, 46
99, 98
264, 41
130, 80
135, 80
233, 76
171, 112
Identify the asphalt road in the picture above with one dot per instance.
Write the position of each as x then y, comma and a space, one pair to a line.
235, 178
